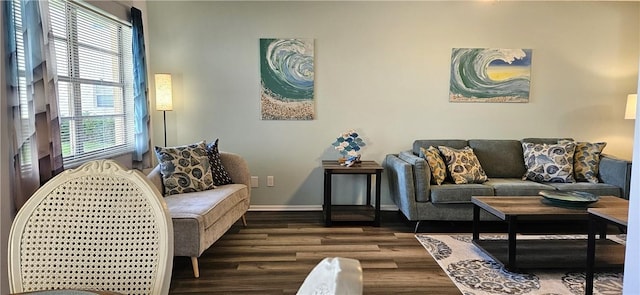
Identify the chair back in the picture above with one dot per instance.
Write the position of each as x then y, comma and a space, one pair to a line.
96, 227
333, 276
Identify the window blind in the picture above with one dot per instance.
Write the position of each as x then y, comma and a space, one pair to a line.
95, 73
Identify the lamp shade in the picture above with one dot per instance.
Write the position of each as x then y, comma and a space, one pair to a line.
164, 99
630, 111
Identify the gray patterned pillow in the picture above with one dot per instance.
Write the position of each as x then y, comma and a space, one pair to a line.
185, 169
463, 165
549, 162
436, 164
586, 160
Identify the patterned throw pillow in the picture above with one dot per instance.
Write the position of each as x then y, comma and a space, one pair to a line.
586, 160
436, 164
463, 165
549, 162
185, 169
220, 175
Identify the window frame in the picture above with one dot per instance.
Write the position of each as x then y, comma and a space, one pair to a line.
77, 108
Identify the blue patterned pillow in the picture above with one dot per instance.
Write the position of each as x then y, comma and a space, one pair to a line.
549, 162
185, 169
220, 175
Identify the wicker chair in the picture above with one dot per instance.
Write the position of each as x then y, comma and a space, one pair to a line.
97, 227
333, 276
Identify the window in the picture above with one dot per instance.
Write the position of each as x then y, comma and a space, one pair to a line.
95, 70
104, 97
94, 65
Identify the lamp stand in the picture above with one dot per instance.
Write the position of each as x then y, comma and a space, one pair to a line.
164, 117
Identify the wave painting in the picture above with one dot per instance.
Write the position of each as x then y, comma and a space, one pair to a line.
287, 79
490, 75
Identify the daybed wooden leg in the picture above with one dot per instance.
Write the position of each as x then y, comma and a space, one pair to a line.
244, 221
194, 264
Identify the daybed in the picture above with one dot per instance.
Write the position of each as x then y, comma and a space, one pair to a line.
411, 188
200, 218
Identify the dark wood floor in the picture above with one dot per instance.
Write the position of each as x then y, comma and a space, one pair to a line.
276, 251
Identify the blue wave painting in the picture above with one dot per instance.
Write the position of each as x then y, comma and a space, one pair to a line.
287, 79
490, 75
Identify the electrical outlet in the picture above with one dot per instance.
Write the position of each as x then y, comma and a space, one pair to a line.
254, 181
270, 181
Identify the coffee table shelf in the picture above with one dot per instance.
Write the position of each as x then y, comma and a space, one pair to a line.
556, 253
512, 209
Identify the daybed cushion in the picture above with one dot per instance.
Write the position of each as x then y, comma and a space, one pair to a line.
449, 193
201, 210
209, 205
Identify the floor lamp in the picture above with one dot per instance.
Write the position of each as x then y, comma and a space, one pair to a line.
630, 110
164, 99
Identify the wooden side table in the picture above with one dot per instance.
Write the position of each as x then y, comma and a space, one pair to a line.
352, 213
600, 217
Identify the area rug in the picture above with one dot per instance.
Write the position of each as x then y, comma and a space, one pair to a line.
475, 273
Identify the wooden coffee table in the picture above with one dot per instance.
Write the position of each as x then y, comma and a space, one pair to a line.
540, 253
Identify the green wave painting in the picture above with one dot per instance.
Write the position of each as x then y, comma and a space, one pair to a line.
287, 79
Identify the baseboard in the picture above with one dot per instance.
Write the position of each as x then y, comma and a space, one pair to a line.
305, 208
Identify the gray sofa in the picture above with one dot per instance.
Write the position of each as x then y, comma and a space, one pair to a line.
502, 160
201, 218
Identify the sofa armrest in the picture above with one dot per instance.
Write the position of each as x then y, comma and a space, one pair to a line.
616, 172
401, 187
237, 168
421, 175
156, 178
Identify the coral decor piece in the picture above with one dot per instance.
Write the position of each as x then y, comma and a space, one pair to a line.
348, 144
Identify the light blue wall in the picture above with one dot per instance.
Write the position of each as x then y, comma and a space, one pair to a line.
383, 69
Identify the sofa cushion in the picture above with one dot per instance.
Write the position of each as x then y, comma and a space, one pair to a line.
499, 158
219, 173
449, 193
426, 143
463, 165
586, 160
516, 187
185, 168
549, 162
600, 189
436, 164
